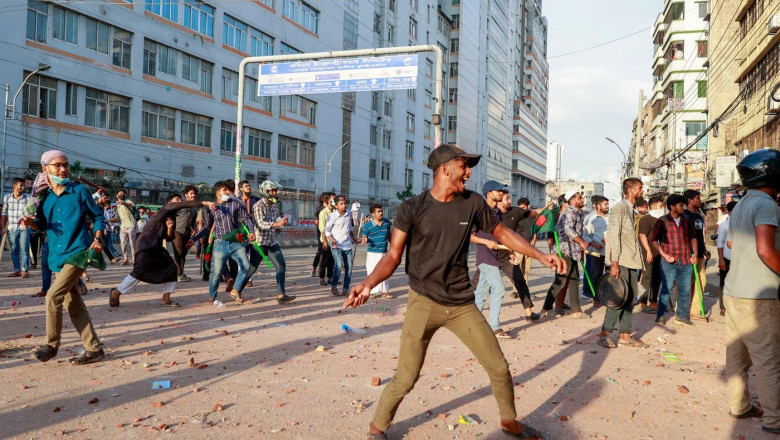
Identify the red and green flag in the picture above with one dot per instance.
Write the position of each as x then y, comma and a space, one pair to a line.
545, 221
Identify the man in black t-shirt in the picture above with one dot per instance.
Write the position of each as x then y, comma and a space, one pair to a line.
324, 198
437, 226
693, 215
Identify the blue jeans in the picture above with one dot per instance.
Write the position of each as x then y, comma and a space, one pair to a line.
19, 241
490, 281
342, 258
45, 271
110, 237
274, 254
221, 252
671, 272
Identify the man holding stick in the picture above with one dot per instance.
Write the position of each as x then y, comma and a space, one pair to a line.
437, 225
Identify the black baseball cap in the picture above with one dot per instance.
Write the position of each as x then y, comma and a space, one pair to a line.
446, 152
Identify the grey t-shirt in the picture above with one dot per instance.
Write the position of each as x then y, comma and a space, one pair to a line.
748, 276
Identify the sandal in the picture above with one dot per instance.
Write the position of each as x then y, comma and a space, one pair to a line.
380, 436
88, 357
170, 303
285, 298
237, 298
387, 296
605, 342
722, 312
632, 343
40, 294
754, 411
44, 353
527, 433
580, 315
500, 334
113, 301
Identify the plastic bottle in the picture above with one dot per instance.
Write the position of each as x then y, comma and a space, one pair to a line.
348, 329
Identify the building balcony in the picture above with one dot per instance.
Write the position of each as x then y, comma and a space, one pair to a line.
659, 65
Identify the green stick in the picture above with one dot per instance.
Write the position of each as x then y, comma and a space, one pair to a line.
587, 277
557, 245
257, 246
698, 287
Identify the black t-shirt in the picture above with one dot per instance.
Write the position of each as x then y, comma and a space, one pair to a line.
698, 225
514, 220
438, 242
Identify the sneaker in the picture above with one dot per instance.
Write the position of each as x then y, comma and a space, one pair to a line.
184, 278
334, 291
285, 299
660, 320
686, 322
345, 292
566, 306
533, 317
313, 273
217, 303
323, 283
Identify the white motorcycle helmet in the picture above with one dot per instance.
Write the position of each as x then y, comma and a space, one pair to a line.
266, 187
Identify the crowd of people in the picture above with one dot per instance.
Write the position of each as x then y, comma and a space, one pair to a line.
652, 245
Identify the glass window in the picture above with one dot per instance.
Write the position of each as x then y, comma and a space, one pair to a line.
150, 58
285, 49
375, 101
258, 143
454, 44
390, 33
429, 68
168, 9
229, 85
290, 9
385, 170
199, 17
428, 98
71, 99
350, 31
408, 178
107, 111
452, 122
97, 36
453, 95
234, 33
387, 139
427, 129
453, 69
702, 88
37, 20
288, 149
678, 89
703, 9
158, 121
373, 135
409, 122
372, 168
307, 154
455, 21
310, 17
122, 45
39, 97
677, 11
190, 68
166, 59
195, 129
412, 27
206, 76
388, 109
227, 137
65, 25
261, 44
409, 150
701, 49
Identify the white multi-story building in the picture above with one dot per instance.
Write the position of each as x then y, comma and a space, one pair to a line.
143, 93
679, 96
554, 153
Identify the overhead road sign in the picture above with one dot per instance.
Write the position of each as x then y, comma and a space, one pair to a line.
338, 75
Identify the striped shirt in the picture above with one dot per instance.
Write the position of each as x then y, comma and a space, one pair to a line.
13, 210
675, 240
376, 235
227, 217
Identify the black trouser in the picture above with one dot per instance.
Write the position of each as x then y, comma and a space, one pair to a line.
316, 263
515, 274
722, 274
106, 248
651, 291
326, 263
570, 279
35, 246
180, 250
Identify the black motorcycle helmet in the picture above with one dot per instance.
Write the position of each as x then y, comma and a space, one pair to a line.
760, 168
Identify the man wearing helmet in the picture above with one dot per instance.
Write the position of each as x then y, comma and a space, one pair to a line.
752, 291
267, 219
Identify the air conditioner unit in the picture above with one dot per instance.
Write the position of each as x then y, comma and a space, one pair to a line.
772, 106
249, 176
187, 170
774, 24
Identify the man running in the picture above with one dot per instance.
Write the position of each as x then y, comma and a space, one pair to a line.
436, 226
267, 220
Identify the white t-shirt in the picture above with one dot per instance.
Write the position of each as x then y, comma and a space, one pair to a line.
723, 230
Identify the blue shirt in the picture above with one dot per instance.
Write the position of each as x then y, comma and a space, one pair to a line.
64, 218
376, 235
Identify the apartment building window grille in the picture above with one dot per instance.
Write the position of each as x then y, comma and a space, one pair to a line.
373, 135
258, 143
65, 25
410, 150
410, 122
412, 28
199, 17
388, 109
39, 97
692, 130
122, 45
426, 181
427, 129
385, 171
455, 21
372, 168
285, 49
378, 24
678, 89
229, 85
453, 70
429, 68
387, 139
390, 33
168, 9
754, 11
702, 88
350, 31
158, 121
408, 178
767, 68
107, 111
227, 137
71, 99
195, 129
701, 49
452, 96
288, 149
307, 153
37, 20
97, 36
375, 101
454, 44
234, 33
452, 123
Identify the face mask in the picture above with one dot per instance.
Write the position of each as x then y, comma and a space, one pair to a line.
224, 198
657, 213
120, 197
58, 180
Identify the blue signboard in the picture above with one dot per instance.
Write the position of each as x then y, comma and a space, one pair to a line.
338, 75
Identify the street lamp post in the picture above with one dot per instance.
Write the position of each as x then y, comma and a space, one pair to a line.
9, 113
625, 158
328, 165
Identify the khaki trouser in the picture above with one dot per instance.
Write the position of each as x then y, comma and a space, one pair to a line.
526, 266
696, 293
423, 318
64, 291
753, 339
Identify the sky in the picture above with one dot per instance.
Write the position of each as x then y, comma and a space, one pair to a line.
595, 93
